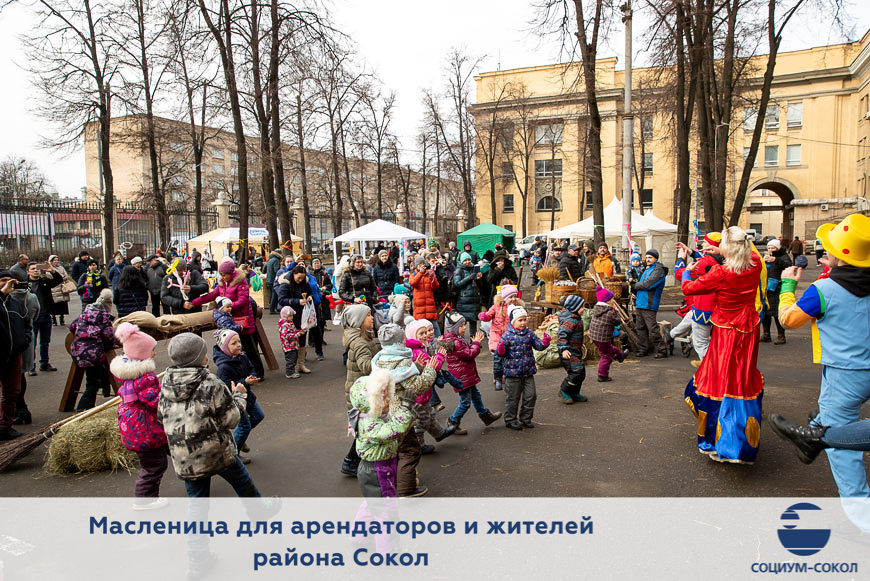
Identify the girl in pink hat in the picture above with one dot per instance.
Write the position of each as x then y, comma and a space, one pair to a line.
141, 432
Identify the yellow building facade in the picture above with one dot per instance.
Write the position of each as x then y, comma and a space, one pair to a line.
811, 166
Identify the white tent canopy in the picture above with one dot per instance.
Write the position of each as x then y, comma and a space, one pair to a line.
376, 231
641, 226
223, 237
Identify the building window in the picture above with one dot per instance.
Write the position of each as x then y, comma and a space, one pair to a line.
507, 170
746, 159
217, 168
217, 153
771, 156
646, 127
795, 115
647, 162
545, 168
550, 134
176, 147
757, 228
177, 196
771, 118
646, 199
234, 156
509, 227
793, 155
588, 200
749, 116
548, 204
508, 202
507, 137
177, 180
754, 205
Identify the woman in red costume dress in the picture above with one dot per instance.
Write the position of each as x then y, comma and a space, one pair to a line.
725, 393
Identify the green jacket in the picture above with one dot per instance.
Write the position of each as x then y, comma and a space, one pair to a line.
360, 350
378, 437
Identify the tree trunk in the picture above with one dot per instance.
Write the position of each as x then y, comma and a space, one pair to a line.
303, 175
277, 148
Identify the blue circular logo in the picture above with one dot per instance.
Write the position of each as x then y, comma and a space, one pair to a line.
803, 542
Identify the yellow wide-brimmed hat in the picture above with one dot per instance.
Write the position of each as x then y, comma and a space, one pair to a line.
849, 240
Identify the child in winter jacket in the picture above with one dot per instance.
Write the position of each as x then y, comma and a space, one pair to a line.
289, 335
460, 362
497, 314
360, 346
411, 383
419, 336
633, 272
93, 335
141, 432
223, 315
570, 347
378, 425
235, 367
604, 319
515, 347
198, 412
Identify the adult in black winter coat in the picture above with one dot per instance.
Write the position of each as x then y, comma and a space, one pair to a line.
777, 260
132, 293
475, 257
443, 274
154, 273
41, 284
174, 288
573, 264
195, 262
501, 271
357, 285
385, 273
324, 281
14, 340
394, 253
466, 282
80, 266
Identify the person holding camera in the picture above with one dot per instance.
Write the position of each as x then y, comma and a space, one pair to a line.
42, 278
91, 283
424, 283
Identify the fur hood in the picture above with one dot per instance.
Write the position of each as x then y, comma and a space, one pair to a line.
124, 368
448, 341
239, 277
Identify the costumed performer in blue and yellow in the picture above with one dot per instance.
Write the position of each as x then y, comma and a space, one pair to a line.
839, 309
725, 393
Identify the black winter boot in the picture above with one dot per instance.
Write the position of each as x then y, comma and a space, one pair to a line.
807, 440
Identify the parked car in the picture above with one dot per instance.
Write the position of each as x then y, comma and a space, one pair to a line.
523, 247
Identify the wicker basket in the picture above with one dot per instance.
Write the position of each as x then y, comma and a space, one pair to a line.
562, 291
536, 318
586, 290
615, 286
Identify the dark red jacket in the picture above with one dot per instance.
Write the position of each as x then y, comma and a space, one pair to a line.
460, 359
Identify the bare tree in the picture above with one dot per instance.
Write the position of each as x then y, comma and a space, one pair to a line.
524, 142
73, 65
23, 179
490, 133
220, 22
378, 113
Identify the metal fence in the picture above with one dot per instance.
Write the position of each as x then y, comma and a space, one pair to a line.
41, 228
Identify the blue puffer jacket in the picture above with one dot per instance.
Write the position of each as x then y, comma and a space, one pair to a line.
649, 287
517, 356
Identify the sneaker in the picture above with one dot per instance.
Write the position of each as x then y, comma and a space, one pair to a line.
48, 367
153, 505
514, 425
565, 398
421, 490
427, 449
320, 357
579, 398
528, 424
199, 563
603, 379
9, 434
32, 373
807, 440
293, 375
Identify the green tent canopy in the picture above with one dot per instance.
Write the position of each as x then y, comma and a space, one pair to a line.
485, 236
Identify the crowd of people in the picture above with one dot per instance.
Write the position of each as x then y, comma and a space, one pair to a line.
406, 334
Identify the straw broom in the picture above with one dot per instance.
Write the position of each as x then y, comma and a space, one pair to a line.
627, 323
21, 447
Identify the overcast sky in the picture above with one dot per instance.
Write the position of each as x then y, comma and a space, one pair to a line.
403, 41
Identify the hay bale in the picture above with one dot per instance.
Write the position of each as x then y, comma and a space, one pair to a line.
90, 445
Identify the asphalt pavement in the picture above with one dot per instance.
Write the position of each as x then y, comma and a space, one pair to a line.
634, 437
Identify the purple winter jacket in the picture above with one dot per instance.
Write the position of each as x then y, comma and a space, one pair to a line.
460, 359
93, 335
